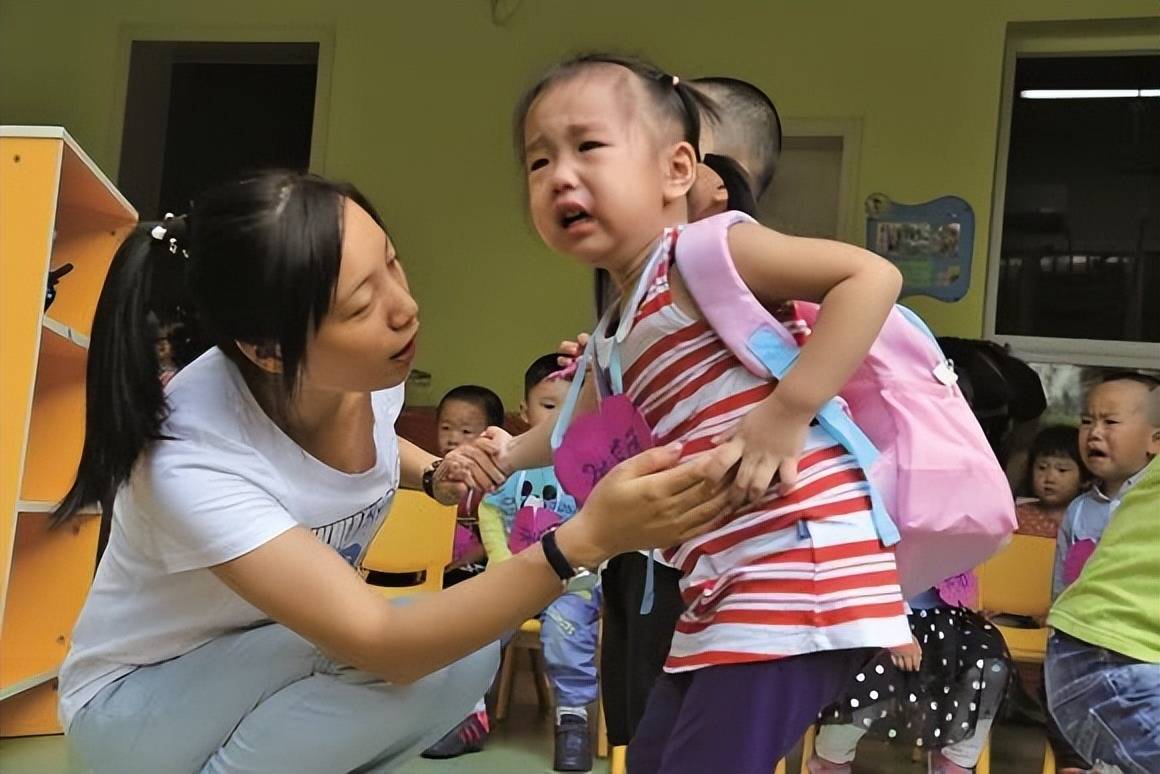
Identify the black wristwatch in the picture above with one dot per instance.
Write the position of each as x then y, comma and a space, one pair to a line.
560, 564
429, 478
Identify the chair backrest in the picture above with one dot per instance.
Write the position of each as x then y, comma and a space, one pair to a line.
1017, 580
416, 537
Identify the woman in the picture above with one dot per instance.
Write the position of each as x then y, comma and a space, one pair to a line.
226, 629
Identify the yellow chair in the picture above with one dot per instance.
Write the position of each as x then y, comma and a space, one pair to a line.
618, 763
1017, 580
527, 638
415, 538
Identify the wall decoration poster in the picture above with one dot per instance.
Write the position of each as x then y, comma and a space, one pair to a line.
930, 243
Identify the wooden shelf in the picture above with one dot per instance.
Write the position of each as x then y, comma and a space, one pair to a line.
56, 207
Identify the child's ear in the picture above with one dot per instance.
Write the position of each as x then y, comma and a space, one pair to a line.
680, 171
524, 412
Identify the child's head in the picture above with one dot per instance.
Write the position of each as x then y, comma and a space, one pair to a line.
744, 126
542, 396
464, 413
721, 185
610, 149
1119, 429
1056, 473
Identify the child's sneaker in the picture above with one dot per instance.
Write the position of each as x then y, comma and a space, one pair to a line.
467, 737
573, 746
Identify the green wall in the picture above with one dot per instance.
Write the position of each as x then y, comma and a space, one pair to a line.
421, 95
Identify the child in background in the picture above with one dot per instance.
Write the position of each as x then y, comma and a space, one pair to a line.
1103, 657
1117, 439
464, 413
941, 692
769, 635
512, 518
1055, 477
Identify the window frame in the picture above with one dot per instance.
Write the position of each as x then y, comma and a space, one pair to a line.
1121, 36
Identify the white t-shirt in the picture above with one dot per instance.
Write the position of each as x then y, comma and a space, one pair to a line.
230, 481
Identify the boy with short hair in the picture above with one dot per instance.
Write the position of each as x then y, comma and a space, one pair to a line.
529, 503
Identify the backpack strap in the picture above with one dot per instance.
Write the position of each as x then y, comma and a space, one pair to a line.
758, 339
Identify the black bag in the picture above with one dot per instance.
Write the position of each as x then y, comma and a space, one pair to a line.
1000, 387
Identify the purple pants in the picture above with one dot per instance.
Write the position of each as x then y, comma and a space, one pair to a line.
737, 718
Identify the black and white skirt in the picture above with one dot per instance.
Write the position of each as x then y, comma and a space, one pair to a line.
962, 679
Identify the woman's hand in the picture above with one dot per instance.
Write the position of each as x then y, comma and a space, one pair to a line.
648, 501
768, 441
908, 657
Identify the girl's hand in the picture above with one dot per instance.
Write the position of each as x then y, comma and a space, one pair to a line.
648, 501
768, 441
496, 442
908, 658
471, 466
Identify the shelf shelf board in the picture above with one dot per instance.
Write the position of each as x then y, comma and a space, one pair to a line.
28, 683
67, 333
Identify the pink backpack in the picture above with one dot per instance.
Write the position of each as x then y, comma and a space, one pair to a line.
932, 472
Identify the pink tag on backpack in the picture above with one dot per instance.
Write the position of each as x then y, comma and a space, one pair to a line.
530, 524
595, 444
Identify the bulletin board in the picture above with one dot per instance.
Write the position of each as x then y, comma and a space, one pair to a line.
931, 243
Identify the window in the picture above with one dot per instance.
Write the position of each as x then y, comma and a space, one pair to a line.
1075, 252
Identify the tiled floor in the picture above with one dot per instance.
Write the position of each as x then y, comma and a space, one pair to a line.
522, 744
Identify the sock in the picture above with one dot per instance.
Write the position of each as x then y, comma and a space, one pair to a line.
578, 711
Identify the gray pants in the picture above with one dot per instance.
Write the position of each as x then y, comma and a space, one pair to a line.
266, 700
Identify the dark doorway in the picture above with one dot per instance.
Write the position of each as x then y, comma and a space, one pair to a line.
198, 113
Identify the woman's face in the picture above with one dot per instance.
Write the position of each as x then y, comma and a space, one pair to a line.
367, 340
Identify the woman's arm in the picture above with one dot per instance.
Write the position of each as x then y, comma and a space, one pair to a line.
413, 461
304, 584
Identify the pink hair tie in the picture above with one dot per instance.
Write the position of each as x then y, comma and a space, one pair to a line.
567, 372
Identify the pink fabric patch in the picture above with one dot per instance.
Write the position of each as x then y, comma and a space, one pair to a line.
1077, 557
466, 543
960, 590
529, 526
596, 443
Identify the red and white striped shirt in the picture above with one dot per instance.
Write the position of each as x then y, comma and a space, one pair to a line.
788, 575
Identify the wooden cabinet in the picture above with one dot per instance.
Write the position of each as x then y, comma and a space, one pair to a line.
56, 207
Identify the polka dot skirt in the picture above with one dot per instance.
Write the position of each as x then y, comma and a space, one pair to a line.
963, 678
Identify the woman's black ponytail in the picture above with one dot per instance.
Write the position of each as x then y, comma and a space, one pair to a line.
125, 403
